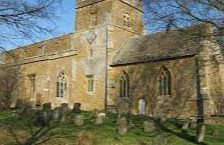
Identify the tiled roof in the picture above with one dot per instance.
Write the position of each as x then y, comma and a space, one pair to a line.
159, 46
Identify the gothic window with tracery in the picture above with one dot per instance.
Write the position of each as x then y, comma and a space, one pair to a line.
90, 83
164, 82
61, 85
124, 85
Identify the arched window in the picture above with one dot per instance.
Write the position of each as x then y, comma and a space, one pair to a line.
126, 20
164, 82
90, 83
124, 85
142, 106
61, 85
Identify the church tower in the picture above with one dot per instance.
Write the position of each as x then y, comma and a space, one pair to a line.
104, 25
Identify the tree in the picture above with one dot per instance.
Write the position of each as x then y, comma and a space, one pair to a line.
22, 19
9, 83
167, 14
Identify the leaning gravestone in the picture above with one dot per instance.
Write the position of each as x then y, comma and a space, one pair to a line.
193, 124
149, 126
79, 120
122, 126
85, 138
201, 133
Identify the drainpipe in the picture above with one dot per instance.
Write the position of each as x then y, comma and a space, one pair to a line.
106, 65
200, 104
200, 101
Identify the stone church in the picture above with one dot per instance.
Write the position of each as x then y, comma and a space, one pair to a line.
109, 63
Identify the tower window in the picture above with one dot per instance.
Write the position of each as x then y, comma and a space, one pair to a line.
61, 85
164, 82
126, 20
94, 18
90, 83
124, 85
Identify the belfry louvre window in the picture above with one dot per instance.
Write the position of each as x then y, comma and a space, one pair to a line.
164, 82
124, 85
126, 20
61, 85
90, 83
94, 19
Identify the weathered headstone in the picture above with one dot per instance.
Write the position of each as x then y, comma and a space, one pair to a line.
46, 107
28, 113
99, 120
149, 126
215, 133
79, 120
160, 140
57, 113
18, 104
95, 113
64, 107
193, 124
76, 107
122, 126
186, 125
85, 138
201, 133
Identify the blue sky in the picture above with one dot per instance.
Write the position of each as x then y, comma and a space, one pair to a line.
64, 25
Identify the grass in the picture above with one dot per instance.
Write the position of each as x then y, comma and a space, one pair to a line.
15, 128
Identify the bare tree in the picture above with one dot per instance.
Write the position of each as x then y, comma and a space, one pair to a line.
9, 83
163, 14
25, 19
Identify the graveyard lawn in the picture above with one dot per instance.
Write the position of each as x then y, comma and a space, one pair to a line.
16, 130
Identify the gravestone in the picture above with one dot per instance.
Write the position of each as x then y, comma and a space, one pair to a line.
201, 133
215, 133
46, 107
149, 126
28, 113
193, 124
76, 107
18, 104
85, 138
64, 107
57, 113
186, 125
122, 126
79, 120
95, 114
99, 119
160, 140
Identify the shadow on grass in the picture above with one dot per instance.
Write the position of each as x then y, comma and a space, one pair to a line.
181, 134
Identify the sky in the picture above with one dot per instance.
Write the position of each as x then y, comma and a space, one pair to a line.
64, 24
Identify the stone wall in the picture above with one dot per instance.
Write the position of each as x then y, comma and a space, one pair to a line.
144, 84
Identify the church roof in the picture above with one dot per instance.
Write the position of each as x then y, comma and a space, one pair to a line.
158, 46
